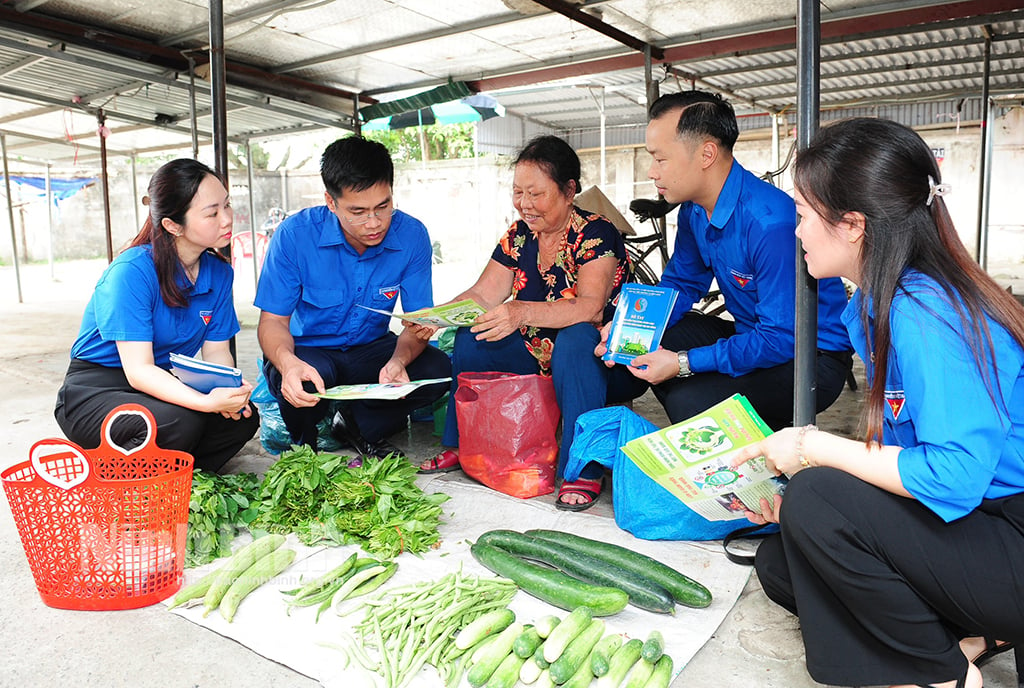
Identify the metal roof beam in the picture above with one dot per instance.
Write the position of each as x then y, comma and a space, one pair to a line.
255, 12
453, 30
602, 27
171, 80
774, 39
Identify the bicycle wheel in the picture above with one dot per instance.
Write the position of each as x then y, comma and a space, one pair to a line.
641, 273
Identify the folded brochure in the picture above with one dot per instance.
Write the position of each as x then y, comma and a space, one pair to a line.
378, 390
693, 461
204, 376
641, 316
458, 314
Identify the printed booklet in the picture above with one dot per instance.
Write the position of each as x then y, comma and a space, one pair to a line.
641, 316
692, 460
458, 314
204, 376
376, 390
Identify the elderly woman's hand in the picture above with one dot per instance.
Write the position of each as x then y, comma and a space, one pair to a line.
500, 321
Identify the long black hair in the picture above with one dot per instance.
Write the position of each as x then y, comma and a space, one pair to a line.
170, 193
885, 171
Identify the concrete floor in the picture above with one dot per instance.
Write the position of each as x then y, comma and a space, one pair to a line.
757, 645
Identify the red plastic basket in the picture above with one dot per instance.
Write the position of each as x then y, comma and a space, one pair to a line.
103, 528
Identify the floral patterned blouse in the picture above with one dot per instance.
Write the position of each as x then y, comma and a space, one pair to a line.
588, 237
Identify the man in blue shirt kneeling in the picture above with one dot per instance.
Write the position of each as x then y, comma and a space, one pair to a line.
325, 262
739, 230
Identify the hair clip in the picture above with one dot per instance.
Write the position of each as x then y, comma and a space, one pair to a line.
936, 190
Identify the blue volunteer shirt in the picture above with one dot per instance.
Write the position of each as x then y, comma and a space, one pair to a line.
960, 444
312, 274
127, 307
749, 244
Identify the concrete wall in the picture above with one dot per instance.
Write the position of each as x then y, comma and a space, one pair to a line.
466, 204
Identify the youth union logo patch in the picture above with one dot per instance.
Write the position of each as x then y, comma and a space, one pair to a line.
388, 292
895, 399
740, 278
206, 316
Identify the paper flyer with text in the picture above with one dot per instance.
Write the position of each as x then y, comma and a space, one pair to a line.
458, 314
692, 460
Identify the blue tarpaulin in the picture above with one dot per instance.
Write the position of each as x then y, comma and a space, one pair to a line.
61, 188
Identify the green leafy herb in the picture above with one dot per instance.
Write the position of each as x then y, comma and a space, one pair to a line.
219, 506
323, 500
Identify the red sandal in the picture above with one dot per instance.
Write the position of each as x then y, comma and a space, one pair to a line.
590, 489
445, 462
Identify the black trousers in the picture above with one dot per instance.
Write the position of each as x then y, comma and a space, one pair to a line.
91, 391
883, 587
361, 364
769, 390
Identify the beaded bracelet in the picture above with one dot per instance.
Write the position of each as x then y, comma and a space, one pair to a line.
804, 463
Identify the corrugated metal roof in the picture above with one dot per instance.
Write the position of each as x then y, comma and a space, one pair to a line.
296, 64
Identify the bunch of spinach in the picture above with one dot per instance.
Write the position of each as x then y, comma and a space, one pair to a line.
324, 500
219, 506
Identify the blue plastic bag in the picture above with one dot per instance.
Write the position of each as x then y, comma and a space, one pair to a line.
642, 506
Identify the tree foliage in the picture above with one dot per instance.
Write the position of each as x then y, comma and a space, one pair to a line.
437, 141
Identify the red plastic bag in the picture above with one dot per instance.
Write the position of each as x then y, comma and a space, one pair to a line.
507, 426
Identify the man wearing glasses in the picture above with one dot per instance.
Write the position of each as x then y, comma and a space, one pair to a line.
325, 267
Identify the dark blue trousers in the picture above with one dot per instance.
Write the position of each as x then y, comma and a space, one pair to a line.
361, 364
582, 382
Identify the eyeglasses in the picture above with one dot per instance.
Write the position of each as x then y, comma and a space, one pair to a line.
363, 218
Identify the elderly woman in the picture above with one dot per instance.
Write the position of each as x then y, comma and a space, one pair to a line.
563, 268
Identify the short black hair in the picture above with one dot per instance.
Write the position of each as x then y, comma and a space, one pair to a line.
357, 164
703, 114
557, 158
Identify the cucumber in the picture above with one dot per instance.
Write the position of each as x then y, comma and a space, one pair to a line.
546, 624
684, 589
493, 655
583, 676
603, 652
507, 673
527, 643
654, 647
553, 587
643, 592
538, 658
487, 624
530, 671
578, 651
662, 674
621, 662
639, 674
566, 632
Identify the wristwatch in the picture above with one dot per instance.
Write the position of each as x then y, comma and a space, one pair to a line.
684, 365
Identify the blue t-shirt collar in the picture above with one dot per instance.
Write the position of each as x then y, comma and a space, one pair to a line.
728, 196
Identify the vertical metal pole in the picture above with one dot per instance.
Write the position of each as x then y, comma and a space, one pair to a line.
358, 128
984, 174
218, 89
776, 153
101, 120
604, 164
252, 212
137, 202
10, 215
808, 59
193, 125
49, 220
650, 85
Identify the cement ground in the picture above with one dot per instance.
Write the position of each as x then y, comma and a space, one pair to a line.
758, 644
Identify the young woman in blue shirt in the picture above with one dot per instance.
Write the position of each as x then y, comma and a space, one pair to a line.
901, 551
169, 291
